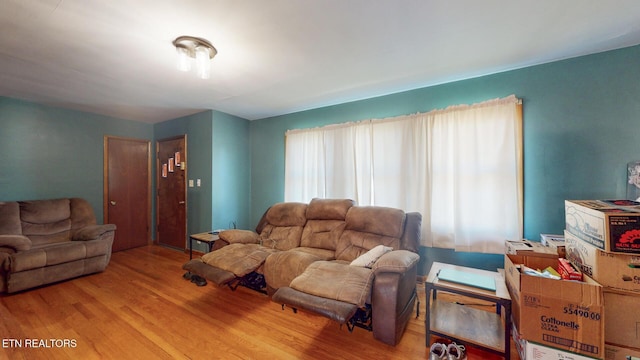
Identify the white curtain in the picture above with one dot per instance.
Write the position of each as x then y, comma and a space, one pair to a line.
461, 168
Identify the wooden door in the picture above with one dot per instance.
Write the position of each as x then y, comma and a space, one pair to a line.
127, 190
172, 192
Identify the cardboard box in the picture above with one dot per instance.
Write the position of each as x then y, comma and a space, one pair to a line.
532, 351
611, 270
524, 247
610, 225
518, 341
555, 242
622, 318
566, 315
535, 351
615, 352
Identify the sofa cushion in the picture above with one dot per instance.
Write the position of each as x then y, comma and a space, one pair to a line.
412, 232
283, 228
239, 259
81, 213
322, 234
325, 223
282, 267
44, 211
336, 281
46, 221
281, 237
92, 232
287, 214
54, 254
236, 236
10, 218
370, 257
367, 227
48, 233
329, 209
378, 220
335, 310
321, 254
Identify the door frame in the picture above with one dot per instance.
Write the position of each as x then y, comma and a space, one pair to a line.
105, 181
185, 168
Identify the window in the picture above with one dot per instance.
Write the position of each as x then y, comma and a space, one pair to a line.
460, 167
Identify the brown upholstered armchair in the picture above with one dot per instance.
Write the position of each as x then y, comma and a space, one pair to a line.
45, 241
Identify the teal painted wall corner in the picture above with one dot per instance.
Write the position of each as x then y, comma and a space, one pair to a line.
51, 152
231, 172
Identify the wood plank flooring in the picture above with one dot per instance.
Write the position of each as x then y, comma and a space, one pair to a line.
142, 308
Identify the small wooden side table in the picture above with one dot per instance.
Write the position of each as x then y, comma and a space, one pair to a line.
466, 325
209, 237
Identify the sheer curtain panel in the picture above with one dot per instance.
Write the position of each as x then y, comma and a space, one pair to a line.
460, 167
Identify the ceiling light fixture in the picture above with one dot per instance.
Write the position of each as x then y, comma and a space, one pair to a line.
189, 47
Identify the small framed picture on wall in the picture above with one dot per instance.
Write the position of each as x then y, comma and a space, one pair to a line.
633, 183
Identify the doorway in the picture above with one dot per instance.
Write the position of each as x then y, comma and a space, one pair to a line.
171, 194
127, 190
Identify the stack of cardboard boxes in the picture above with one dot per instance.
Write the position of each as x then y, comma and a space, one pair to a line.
598, 317
553, 319
602, 239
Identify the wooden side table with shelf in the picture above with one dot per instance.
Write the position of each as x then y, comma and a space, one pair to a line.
467, 325
208, 237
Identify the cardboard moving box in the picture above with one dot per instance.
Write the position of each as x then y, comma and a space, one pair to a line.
611, 270
524, 247
532, 351
622, 318
614, 352
567, 315
610, 225
555, 242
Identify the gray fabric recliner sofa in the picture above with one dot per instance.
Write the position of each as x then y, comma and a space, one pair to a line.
46, 241
356, 265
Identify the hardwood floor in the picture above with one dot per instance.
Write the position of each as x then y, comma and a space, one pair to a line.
142, 308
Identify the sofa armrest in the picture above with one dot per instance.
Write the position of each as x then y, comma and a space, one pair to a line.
236, 236
92, 232
394, 294
397, 261
16, 242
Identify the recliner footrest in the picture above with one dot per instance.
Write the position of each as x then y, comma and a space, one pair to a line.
218, 276
333, 309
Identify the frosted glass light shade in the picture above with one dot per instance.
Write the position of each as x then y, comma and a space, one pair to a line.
189, 48
184, 60
203, 63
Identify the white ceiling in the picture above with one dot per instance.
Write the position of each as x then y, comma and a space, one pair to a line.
115, 57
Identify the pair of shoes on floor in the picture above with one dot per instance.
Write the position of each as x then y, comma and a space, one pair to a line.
441, 351
196, 279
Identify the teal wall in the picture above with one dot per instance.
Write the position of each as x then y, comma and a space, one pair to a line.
581, 127
50, 152
231, 175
